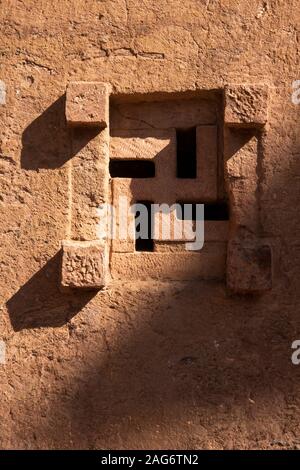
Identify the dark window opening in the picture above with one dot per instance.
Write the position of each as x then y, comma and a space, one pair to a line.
216, 211
146, 243
212, 211
131, 169
186, 153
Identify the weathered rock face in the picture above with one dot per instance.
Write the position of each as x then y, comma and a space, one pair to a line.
171, 353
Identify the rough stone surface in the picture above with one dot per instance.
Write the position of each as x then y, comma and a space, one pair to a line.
246, 105
244, 154
88, 182
249, 267
87, 104
143, 364
155, 112
208, 264
83, 265
140, 145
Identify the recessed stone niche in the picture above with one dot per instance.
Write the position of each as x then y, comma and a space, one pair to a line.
181, 136
196, 147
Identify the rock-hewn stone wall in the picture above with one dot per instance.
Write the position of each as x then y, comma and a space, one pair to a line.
146, 364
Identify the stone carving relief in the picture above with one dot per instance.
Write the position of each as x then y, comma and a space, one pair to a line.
131, 146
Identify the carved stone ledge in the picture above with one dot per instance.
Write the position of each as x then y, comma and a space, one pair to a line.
87, 104
249, 258
246, 105
84, 264
84, 257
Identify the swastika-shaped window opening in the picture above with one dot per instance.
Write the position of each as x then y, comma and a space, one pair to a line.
167, 149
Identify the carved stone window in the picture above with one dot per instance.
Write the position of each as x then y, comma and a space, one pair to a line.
179, 135
200, 147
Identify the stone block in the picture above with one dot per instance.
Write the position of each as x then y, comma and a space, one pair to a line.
166, 114
207, 161
89, 183
142, 144
246, 105
208, 264
87, 104
242, 180
83, 264
249, 267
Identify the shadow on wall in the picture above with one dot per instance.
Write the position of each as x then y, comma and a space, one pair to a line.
47, 143
173, 365
184, 367
40, 303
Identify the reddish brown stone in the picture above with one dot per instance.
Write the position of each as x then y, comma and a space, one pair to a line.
87, 104
83, 264
249, 267
209, 263
246, 105
145, 364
